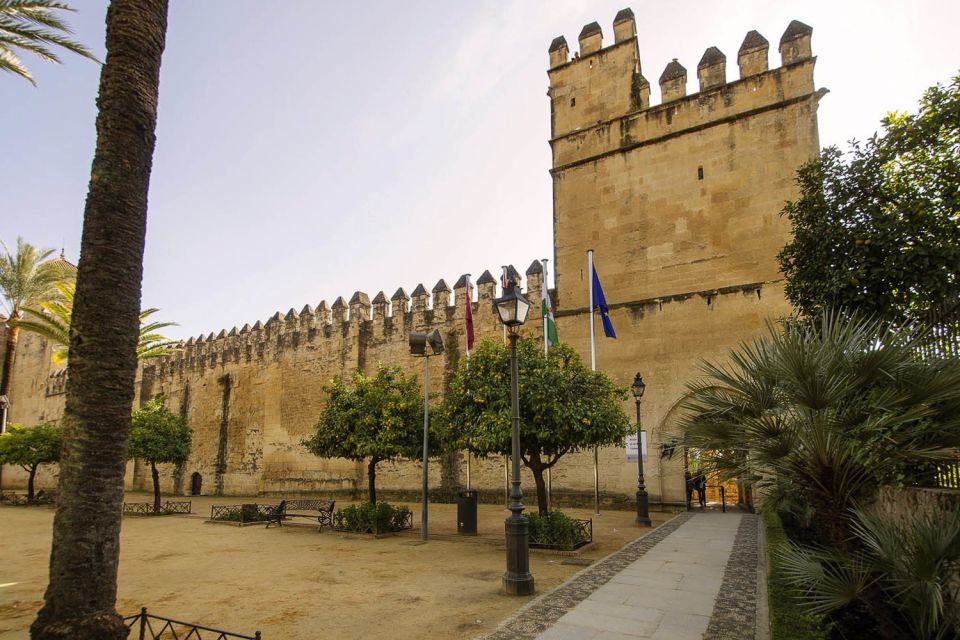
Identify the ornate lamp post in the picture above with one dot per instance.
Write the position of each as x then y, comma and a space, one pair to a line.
643, 500
512, 308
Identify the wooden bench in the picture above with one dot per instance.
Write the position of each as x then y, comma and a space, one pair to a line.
320, 510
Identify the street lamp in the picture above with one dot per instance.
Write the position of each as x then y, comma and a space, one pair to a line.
643, 500
418, 347
512, 308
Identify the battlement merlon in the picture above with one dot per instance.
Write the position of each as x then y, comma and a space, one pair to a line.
593, 90
716, 104
599, 83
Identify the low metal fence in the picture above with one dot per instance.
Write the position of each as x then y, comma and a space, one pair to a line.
42, 497
146, 626
170, 507
584, 537
242, 513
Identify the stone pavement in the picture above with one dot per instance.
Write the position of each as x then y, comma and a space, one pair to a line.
694, 577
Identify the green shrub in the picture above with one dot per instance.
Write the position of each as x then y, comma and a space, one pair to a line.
368, 517
788, 621
556, 529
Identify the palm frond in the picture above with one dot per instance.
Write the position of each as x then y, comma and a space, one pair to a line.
33, 26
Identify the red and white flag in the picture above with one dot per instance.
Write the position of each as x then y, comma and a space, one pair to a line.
469, 315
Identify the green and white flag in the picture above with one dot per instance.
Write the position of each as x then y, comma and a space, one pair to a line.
546, 309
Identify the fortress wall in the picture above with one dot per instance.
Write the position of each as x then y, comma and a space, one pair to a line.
680, 202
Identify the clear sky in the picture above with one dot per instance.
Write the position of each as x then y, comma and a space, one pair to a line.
309, 149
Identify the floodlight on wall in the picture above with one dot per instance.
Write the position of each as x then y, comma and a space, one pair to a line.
420, 340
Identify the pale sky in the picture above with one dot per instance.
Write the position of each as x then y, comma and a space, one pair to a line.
309, 149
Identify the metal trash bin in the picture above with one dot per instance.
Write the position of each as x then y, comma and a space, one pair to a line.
467, 513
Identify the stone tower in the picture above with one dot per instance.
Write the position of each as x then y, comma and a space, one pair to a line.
680, 202
685, 195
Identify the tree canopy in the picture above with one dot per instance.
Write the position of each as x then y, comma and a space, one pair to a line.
52, 321
30, 448
28, 278
159, 436
564, 406
379, 418
877, 229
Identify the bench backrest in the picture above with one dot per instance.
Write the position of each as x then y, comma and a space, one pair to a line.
306, 505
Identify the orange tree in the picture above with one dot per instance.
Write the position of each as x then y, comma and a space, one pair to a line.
564, 407
157, 436
30, 448
379, 418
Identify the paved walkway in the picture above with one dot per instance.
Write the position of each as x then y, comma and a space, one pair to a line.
694, 577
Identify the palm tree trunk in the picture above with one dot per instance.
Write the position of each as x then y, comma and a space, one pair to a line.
80, 601
8, 358
156, 487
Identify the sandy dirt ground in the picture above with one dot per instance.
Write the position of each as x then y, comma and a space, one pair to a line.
295, 583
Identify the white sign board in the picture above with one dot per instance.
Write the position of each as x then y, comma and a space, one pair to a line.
631, 445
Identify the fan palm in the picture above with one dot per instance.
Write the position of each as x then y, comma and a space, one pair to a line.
28, 278
904, 573
33, 26
830, 408
52, 321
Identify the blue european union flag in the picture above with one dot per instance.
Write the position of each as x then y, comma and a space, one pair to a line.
600, 302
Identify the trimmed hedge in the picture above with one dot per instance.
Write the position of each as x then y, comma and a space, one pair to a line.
788, 620
555, 530
367, 517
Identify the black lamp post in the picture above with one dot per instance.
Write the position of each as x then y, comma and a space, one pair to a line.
418, 348
512, 308
643, 500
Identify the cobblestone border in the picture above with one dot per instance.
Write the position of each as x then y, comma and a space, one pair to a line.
540, 614
734, 614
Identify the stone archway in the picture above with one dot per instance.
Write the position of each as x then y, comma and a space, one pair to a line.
671, 482
673, 467
196, 484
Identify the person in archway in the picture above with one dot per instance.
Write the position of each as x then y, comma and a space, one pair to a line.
700, 483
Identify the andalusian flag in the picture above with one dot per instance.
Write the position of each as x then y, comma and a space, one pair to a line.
546, 310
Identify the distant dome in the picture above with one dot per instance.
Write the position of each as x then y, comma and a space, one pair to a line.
63, 263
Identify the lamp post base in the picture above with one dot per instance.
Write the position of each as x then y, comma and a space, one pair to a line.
643, 509
517, 581
518, 586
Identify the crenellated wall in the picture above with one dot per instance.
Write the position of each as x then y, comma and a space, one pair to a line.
681, 203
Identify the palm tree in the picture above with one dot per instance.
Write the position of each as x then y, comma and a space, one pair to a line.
33, 26
81, 597
52, 321
903, 573
28, 279
825, 411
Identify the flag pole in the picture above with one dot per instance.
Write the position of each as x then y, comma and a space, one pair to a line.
593, 342
593, 367
546, 352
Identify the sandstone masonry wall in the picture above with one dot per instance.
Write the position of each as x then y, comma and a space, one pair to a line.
680, 202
